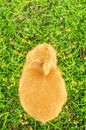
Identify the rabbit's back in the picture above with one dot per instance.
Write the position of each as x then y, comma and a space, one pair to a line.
42, 96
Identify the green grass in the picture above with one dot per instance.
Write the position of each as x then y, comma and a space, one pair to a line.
25, 24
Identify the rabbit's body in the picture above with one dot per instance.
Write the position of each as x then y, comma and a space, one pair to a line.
42, 94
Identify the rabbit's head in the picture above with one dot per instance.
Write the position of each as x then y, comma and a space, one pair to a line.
43, 56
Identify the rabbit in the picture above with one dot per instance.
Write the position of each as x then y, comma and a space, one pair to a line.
42, 90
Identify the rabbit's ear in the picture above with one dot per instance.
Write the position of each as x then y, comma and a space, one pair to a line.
35, 64
46, 68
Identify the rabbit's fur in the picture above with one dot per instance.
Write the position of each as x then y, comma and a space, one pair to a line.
42, 89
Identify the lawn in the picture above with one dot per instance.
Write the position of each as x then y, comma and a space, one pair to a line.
25, 24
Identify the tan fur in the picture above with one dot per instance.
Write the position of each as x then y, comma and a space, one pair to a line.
41, 88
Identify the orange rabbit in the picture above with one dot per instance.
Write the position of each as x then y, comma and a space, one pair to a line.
42, 89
